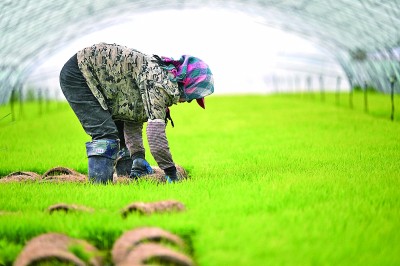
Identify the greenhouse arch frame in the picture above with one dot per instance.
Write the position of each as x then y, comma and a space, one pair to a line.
362, 35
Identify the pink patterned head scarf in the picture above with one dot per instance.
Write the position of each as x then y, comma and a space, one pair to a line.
194, 74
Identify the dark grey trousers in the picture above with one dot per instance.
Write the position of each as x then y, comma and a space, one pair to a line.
96, 121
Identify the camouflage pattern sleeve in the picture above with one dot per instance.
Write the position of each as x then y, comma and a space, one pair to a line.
157, 90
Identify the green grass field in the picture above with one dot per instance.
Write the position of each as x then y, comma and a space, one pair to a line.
275, 180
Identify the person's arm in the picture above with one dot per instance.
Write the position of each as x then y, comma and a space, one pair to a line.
134, 142
155, 101
158, 92
156, 135
133, 139
159, 147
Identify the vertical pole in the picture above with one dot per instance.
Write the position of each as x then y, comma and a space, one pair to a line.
350, 78
351, 97
275, 83
321, 87
287, 81
47, 99
291, 84
338, 82
366, 97
57, 99
392, 81
40, 101
21, 101
297, 83
309, 85
12, 105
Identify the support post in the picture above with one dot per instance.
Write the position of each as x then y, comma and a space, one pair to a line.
392, 82
338, 82
40, 101
351, 97
309, 85
366, 97
321, 87
12, 102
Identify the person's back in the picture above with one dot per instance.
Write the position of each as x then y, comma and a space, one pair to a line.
114, 73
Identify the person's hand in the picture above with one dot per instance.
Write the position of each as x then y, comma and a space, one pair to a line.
171, 175
140, 167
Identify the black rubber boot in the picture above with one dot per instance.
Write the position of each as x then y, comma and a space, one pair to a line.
124, 162
140, 167
101, 154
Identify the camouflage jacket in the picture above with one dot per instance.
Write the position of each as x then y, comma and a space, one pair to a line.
128, 83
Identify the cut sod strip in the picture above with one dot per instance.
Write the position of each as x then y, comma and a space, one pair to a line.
149, 252
54, 247
68, 207
158, 176
153, 207
58, 174
21, 177
133, 241
63, 174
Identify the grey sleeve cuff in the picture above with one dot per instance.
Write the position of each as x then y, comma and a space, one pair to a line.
159, 144
133, 138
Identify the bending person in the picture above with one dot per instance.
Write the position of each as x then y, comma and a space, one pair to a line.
114, 90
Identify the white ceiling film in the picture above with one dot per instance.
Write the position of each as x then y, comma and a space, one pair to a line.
362, 35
